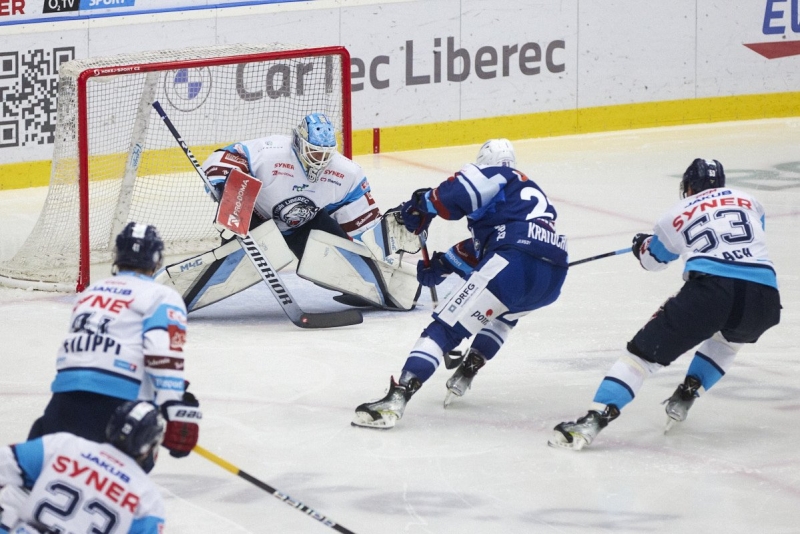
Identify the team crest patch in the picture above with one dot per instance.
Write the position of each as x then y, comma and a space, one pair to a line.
295, 211
177, 337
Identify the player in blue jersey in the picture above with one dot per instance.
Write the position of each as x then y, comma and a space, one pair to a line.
125, 342
64, 483
730, 298
515, 263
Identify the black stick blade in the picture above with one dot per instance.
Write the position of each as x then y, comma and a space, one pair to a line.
330, 319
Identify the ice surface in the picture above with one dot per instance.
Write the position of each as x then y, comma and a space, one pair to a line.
278, 400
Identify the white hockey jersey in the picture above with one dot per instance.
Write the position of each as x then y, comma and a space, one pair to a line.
80, 486
717, 231
126, 340
287, 196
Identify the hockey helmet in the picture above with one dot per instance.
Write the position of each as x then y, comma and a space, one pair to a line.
314, 143
137, 429
140, 247
702, 174
497, 153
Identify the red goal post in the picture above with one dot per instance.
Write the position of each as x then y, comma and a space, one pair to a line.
114, 161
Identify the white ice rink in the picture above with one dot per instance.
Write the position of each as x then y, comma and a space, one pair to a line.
278, 400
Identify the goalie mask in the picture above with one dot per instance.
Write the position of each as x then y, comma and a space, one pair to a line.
497, 153
138, 247
314, 143
702, 174
137, 429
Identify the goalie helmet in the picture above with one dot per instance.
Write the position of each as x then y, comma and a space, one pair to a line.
496, 153
137, 429
314, 143
702, 174
139, 247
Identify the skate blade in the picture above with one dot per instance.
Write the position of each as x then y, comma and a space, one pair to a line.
670, 423
364, 420
559, 441
451, 396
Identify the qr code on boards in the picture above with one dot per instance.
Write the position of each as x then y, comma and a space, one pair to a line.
28, 90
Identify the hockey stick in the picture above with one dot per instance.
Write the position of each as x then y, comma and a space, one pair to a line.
426, 259
599, 256
261, 263
208, 455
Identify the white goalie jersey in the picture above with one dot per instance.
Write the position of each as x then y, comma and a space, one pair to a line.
718, 232
286, 196
77, 485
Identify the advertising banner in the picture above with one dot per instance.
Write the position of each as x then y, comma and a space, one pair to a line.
417, 62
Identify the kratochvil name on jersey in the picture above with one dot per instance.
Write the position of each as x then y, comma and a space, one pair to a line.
92, 343
546, 236
98, 482
705, 205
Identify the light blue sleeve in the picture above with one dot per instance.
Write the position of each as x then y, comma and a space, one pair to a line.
30, 457
147, 525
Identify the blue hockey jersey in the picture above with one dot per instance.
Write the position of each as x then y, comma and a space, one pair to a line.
504, 209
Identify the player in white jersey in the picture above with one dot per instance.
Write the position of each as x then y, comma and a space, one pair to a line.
125, 342
64, 483
306, 185
730, 298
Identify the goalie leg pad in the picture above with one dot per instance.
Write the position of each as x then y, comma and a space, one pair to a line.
343, 265
224, 271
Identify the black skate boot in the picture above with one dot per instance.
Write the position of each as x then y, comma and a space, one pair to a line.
384, 413
461, 381
677, 406
582, 432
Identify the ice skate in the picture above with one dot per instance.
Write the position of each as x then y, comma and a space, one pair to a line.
577, 435
384, 413
677, 406
461, 381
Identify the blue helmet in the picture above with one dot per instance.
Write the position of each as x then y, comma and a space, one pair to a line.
137, 429
139, 247
314, 143
702, 174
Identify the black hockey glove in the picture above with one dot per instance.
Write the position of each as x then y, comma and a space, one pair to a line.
415, 217
638, 242
183, 425
435, 273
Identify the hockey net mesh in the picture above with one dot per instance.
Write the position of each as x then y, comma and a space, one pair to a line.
136, 171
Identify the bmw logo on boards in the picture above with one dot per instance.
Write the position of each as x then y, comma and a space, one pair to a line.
187, 89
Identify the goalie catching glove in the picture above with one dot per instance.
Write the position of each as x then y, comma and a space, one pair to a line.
183, 425
415, 214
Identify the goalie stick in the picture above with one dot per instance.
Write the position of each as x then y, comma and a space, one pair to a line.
208, 455
260, 261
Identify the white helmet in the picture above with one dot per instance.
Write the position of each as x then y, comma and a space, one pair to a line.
497, 153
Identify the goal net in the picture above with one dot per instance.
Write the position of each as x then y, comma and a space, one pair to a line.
114, 160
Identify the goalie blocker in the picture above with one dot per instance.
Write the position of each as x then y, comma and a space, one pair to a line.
329, 261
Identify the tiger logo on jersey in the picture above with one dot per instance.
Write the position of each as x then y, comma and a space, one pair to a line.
295, 211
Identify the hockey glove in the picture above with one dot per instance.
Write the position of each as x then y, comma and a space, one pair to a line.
640, 242
434, 273
414, 214
183, 429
